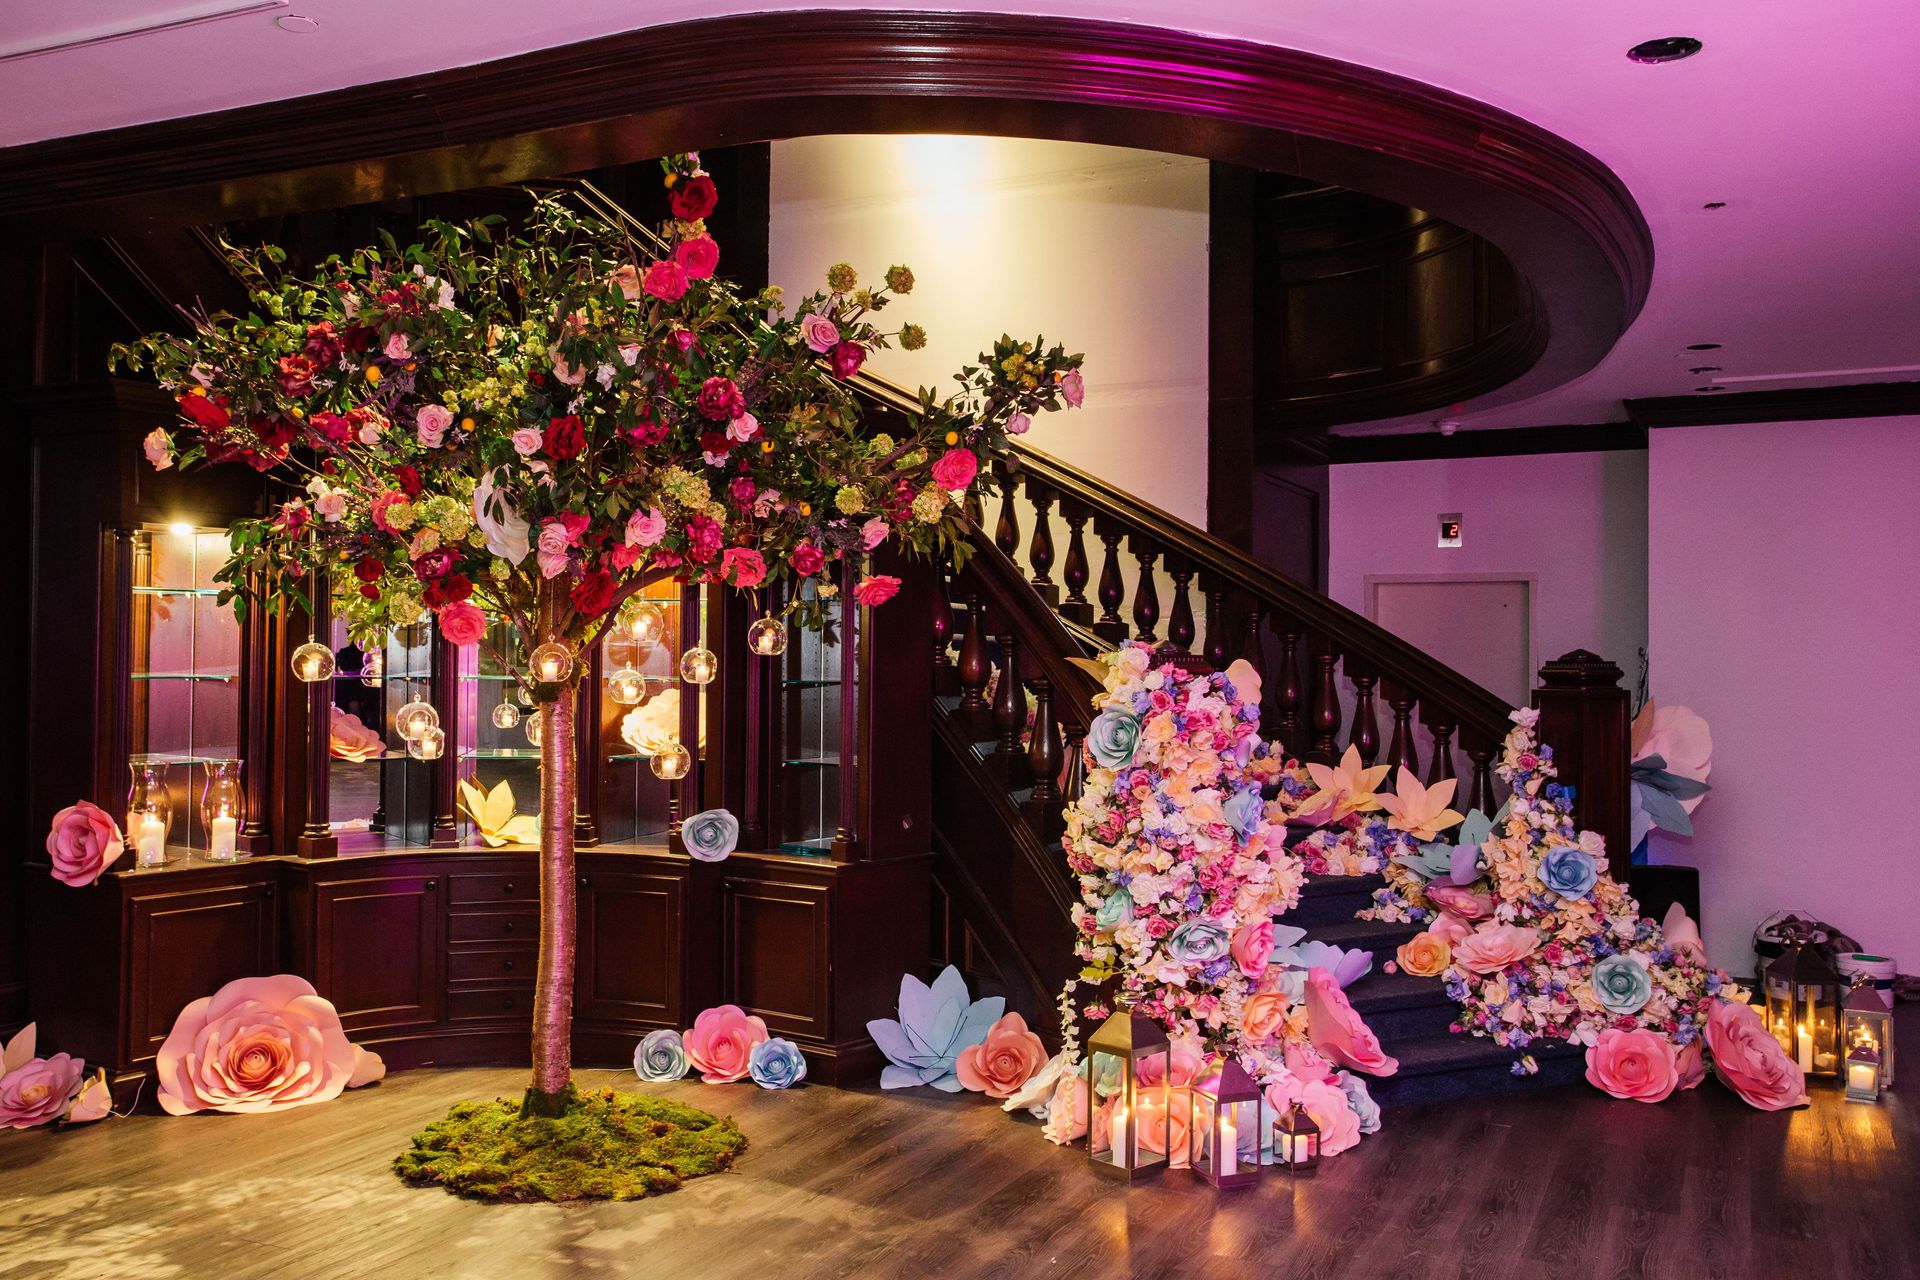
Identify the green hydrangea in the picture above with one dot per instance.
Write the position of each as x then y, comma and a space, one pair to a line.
929, 505
850, 500
841, 277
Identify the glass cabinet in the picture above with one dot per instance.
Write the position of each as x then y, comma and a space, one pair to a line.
498, 735
807, 737
642, 712
377, 793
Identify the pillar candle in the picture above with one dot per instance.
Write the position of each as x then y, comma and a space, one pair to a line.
1226, 1159
149, 840
224, 838
1805, 1042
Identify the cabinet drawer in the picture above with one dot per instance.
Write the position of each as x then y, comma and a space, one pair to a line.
493, 926
481, 1006
479, 889
495, 964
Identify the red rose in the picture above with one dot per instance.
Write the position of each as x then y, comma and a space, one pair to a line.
698, 256
323, 345
296, 375
360, 337
694, 197
715, 444
876, 590
407, 477
593, 594
647, 432
205, 412
720, 400
575, 524
368, 569
565, 438
433, 564
806, 560
703, 539
330, 427
449, 590
370, 591
847, 359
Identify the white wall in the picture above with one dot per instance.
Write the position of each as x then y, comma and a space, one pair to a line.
1784, 602
1575, 522
1100, 248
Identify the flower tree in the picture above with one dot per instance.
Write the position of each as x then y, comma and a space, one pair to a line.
530, 421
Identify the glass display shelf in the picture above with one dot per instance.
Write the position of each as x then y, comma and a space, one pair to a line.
813, 762
809, 684
500, 753
818, 847
208, 592
203, 677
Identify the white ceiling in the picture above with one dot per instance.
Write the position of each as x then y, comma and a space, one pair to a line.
1803, 118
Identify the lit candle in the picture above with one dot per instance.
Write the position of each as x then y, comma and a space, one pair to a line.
1805, 1041
1226, 1158
225, 832
1117, 1136
1860, 1077
149, 840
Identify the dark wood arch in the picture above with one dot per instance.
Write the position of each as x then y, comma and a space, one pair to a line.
1564, 220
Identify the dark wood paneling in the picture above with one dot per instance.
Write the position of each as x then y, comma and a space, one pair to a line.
1799, 404
775, 938
187, 942
1500, 443
378, 949
627, 969
1290, 515
1233, 303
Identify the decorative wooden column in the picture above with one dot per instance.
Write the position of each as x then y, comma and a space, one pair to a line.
1583, 717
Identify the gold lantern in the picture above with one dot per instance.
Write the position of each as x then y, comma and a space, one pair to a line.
1803, 1009
1128, 1061
1296, 1140
1867, 1021
1223, 1134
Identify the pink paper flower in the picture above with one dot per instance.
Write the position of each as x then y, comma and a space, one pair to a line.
1461, 901
1326, 1104
83, 843
876, 590
1161, 1124
1494, 947
1637, 1065
462, 624
1253, 946
258, 1044
1338, 1032
351, 739
720, 1045
39, 1090
1750, 1061
1449, 928
1005, 1060
1691, 1065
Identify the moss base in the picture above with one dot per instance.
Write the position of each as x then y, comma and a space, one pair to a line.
605, 1146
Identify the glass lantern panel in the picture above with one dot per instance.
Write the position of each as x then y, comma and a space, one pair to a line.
633, 803
1237, 1137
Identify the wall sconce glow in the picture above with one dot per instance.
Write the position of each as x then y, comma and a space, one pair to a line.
671, 764
699, 666
313, 662
550, 663
414, 719
180, 529
767, 637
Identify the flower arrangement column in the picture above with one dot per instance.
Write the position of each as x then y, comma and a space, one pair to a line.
553, 988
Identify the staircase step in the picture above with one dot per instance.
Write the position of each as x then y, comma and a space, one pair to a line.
1328, 900
1446, 1067
1381, 938
1399, 1006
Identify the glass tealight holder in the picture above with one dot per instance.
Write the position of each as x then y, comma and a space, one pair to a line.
627, 687
646, 624
671, 764
223, 804
536, 729
699, 666
149, 811
550, 663
373, 666
313, 662
767, 637
429, 744
414, 719
506, 716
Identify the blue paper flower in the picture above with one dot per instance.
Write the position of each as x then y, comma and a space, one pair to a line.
935, 1024
1364, 1107
1112, 738
1115, 911
1198, 942
659, 1057
1568, 871
710, 836
1657, 797
1347, 967
1245, 811
1458, 860
1622, 984
776, 1064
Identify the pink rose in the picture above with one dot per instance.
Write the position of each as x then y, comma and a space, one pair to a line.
431, 423
258, 1044
462, 624
1019, 424
819, 333
743, 428
1067, 1113
552, 549
644, 529
626, 278
38, 1090
1252, 946
1160, 1124
1691, 1064
396, 348
1184, 1065
527, 441
1338, 1032
1449, 928
1638, 1065
1461, 901
743, 567
331, 506
1750, 1061
955, 469
1005, 1060
667, 280
565, 372
1073, 388
721, 1043
158, 446
806, 560
83, 843
876, 590
1325, 1104
1493, 947
697, 256
873, 533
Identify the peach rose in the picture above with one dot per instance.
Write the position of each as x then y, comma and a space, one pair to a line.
257, 1044
1263, 1014
1168, 1138
1633, 1064
39, 1090
1067, 1115
1337, 1032
1424, 955
1005, 1060
350, 739
721, 1042
83, 843
1495, 946
1750, 1061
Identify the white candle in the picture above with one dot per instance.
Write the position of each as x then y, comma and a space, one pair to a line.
1860, 1076
226, 831
149, 840
1117, 1137
1226, 1159
1805, 1040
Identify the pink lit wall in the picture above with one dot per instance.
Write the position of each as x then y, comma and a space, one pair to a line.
1784, 606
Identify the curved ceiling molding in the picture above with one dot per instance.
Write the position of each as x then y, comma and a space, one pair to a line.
1564, 220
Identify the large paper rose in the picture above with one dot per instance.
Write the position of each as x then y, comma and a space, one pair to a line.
1461, 901
1750, 1061
83, 843
710, 836
1116, 910
1197, 942
349, 738
660, 1057
1568, 871
1622, 984
257, 1044
776, 1064
1004, 1061
1325, 1103
1360, 1098
1161, 1122
502, 526
1112, 738
1339, 1033
1424, 955
1264, 1014
1691, 1064
720, 1044
1035, 1097
1633, 1064
1253, 947
39, 1090
1494, 947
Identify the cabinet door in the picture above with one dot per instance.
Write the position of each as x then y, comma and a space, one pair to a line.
775, 948
188, 943
627, 966
378, 944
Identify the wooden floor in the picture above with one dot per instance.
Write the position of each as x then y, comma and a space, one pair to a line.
1564, 1184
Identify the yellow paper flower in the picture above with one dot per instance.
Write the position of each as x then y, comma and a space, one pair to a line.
492, 814
1344, 788
1421, 811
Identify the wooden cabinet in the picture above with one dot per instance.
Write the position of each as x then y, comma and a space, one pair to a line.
185, 941
775, 937
629, 961
378, 948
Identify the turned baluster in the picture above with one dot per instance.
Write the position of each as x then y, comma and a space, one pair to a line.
1006, 532
1043, 753
1403, 753
1216, 651
1480, 789
1076, 736
1180, 621
1040, 548
944, 680
1326, 707
1442, 764
1074, 569
1113, 588
1366, 724
1146, 594
1287, 694
974, 667
1009, 704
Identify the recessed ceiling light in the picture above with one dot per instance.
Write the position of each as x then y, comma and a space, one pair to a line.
1703, 346
297, 24
1668, 49
1704, 368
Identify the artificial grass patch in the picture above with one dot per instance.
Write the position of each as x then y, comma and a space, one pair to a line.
604, 1146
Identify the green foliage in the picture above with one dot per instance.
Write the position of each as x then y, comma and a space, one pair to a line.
603, 1146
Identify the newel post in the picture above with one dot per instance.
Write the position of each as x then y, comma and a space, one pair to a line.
1583, 717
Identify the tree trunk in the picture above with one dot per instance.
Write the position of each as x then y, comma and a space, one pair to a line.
551, 1089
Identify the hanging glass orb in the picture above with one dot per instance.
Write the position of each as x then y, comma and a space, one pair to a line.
535, 729
373, 665
505, 716
429, 744
313, 662
646, 624
699, 666
767, 637
671, 764
414, 719
551, 663
523, 696
627, 687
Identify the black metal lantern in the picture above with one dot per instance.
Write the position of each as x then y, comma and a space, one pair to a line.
1128, 1064
1803, 1009
1296, 1140
1223, 1133
1867, 1021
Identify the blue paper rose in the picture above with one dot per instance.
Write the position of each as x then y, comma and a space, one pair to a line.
1622, 984
1112, 738
1568, 871
776, 1064
659, 1057
710, 836
1245, 811
1365, 1109
1115, 911
1198, 942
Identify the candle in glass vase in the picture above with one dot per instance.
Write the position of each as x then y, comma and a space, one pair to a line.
149, 840
224, 832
